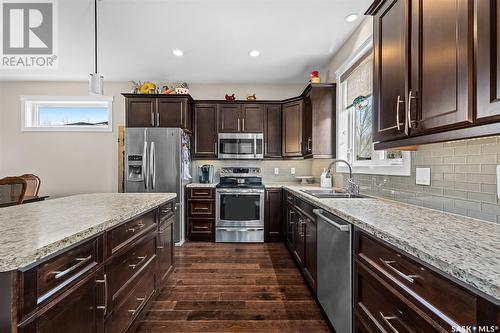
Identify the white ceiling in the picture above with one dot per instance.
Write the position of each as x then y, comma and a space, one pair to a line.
137, 38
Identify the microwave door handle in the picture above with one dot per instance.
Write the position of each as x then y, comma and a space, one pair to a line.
254, 147
145, 166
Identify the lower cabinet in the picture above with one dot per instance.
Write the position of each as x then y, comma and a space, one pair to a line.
273, 220
301, 236
200, 212
100, 285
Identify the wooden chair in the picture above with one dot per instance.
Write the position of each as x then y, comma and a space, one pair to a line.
12, 191
32, 185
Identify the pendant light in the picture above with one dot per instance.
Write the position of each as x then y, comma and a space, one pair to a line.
96, 80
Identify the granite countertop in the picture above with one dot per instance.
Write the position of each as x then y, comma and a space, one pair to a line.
34, 231
211, 185
465, 248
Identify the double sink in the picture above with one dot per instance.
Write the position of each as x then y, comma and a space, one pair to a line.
331, 194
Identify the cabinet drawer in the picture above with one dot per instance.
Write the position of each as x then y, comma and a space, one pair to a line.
289, 198
123, 268
43, 282
128, 310
418, 283
166, 210
375, 306
201, 208
201, 226
201, 193
127, 232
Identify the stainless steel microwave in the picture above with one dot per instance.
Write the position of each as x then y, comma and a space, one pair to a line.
241, 146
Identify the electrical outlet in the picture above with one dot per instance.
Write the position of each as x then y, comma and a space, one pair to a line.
292, 171
423, 176
276, 171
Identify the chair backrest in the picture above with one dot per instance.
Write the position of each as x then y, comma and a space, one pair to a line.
32, 184
12, 191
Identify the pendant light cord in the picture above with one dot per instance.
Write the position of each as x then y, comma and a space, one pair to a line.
95, 33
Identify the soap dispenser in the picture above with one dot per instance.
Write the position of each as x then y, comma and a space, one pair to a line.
326, 179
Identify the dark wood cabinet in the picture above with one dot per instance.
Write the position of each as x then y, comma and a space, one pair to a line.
272, 131
391, 70
487, 25
318, 121
158, 111
229, 118
442, 65
165, 245
140, 112
273, 221
292, 129
205, 131
252, 118
80, 310
290, 219
200, 212
174, 112
310, 243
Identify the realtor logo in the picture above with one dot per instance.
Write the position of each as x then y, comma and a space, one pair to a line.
28, 34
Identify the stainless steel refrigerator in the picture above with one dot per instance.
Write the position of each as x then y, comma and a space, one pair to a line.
157, 160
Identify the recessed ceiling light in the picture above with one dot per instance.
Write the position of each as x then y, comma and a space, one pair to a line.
351, 17
177, 53
254, 53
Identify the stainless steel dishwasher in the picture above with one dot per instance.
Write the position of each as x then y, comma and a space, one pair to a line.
334, 269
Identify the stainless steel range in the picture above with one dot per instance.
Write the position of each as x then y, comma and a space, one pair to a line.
240, 206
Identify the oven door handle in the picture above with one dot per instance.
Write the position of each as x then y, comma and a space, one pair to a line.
240, 229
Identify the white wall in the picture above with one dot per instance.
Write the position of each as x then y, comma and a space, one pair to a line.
78, 162
359, 36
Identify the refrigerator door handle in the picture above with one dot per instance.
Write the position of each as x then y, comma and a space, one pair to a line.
152, 164
145, 165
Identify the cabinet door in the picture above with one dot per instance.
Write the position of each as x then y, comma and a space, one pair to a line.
292, 129
390, 34
307, 127
298, 239
172, 112
272, 131
310, 260
205, 130
165, 249
252, 118
77, 312
141, 112
229, 118
442, 70
487, 23
273, 225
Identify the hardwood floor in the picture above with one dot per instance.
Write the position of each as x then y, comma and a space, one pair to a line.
234, 288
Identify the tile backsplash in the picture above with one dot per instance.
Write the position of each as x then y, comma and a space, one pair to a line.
463, 177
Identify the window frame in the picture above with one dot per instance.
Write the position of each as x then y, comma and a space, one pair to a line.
344, 142
30, 102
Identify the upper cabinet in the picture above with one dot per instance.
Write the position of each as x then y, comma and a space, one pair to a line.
272, 131
238, 117
436, 71
292, 129
205, 131
487, 20
158, 111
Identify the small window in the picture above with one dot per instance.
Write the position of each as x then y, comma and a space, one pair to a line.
355, 120
46, 113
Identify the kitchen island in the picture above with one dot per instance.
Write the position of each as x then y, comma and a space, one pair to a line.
85, 263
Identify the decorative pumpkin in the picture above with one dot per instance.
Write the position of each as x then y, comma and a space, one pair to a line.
314, 77
147, 88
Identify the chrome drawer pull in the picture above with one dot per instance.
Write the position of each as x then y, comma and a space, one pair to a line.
80, 262
388, 263
387, 319
141, 259
105, 306
138, 299
399, 101
202, 208
159, 247
136, 227
204, 228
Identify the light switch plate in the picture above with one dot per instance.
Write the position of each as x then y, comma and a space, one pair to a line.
276, 171
292, 171
423, 176
498, 181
